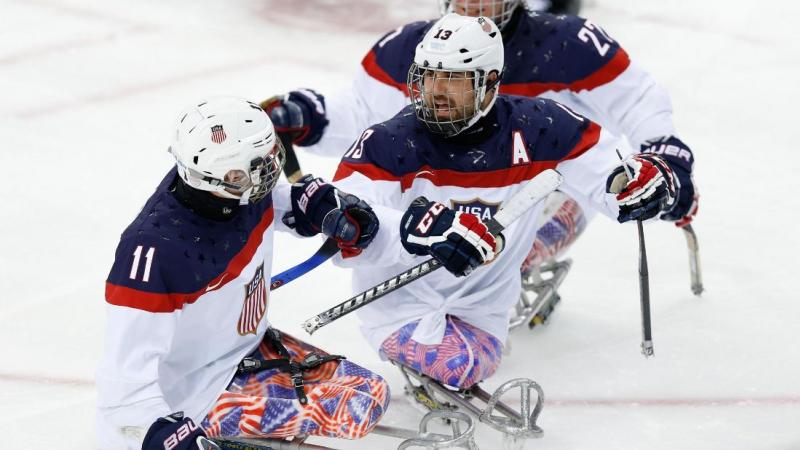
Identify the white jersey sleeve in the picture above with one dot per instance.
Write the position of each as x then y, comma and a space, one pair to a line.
633, 105
585, 176
353, 110
129, 396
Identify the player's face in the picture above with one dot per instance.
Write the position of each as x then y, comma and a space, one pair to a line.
450, 95
475, 8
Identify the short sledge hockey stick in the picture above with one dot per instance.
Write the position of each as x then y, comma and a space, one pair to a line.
328, 249
532, 193
694, 259
644, 281
291, 168
293, 173
644, 296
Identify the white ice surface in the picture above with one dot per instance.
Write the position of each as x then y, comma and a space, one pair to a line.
88, 94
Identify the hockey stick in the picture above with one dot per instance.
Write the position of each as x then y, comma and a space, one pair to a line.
644, 281
291, 168
532, 193
328, 249
644, 295
232, 445
694, 260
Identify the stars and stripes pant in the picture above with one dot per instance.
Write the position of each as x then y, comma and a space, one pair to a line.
344, 400
466, 355
563, 221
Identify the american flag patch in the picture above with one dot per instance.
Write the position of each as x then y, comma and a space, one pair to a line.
255, 303
218, 135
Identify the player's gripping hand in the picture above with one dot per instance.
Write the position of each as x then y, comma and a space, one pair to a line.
651, 191
300, 113
681, 161
318, 207
175, 432
459, 241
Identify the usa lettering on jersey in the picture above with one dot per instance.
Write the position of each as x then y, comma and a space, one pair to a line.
482, 209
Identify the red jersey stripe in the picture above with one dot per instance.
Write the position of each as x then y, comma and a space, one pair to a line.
169, 302
604, 75
589, 138
374, 70
446, 177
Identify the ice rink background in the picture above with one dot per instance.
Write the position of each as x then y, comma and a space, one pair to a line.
88, 94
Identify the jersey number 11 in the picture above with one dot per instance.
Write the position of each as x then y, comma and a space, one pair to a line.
137, 254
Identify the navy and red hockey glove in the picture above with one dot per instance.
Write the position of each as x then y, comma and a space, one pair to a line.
651, 191
681, 161
318, 207
299, 113
175, 432
459, 241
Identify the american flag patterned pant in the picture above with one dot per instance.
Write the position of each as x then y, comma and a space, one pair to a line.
564, 221
344, 400
466, 355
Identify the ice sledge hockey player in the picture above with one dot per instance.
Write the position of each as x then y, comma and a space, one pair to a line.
561, 57
187, 299
462, 143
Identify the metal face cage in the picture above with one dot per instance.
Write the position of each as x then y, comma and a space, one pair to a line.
446, 101
499, 11
256, 183
264, 172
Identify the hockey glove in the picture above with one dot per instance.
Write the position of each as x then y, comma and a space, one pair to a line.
300, 113
459, 241
175, 432
651, 191
681, 161
318, 207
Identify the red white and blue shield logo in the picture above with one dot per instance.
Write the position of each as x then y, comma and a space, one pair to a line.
218, 135
255, 303
483, 209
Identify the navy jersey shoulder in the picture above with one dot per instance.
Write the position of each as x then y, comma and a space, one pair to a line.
390, 58
170, 249
402, 145
550, 130
397, 145
560, 49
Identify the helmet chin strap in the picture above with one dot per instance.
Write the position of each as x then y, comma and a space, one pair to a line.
481, 111
245, 198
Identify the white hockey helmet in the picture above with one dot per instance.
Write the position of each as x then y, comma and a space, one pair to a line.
454, 49
499, 11
228, 145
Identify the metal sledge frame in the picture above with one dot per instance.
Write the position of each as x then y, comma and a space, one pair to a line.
527, 310
422, 438
514, 425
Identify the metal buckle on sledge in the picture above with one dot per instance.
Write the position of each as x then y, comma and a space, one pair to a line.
459, 439
514, 424
526, 309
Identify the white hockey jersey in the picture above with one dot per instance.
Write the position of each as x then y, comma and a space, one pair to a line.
187, 299
394, 162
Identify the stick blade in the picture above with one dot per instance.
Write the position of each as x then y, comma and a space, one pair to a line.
531, 193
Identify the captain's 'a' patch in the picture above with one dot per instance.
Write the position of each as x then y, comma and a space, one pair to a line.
484, 210
255, 303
